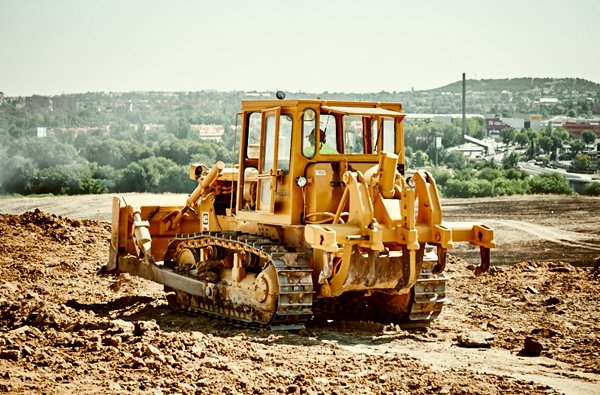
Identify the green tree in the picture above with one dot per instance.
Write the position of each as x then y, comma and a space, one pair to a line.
468, 188
133, 179
581, 162
102, 172
588, 137
515, 174
490, 174
154, 174
577, 146
454, 160
105, 152
15, 132
545, 143
420, 159
176, 179
457, 188
475, 127
70, 179
557, 144
140, 134
133, 151
522, 138
451, 135
510, 161
224, 155
180, 127
17, 172
175, 150
562, 134
491, 164
90, 185
468, 173
504, 186
44, 152
533, 150
204, 152
441, 175
508, 135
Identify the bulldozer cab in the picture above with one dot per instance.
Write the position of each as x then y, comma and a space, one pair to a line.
294, 153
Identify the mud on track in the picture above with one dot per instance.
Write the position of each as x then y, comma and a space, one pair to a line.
66, 329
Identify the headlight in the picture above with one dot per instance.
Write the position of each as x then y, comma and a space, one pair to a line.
301, 181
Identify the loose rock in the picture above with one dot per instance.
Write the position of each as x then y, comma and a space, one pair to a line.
476, 339
532, 347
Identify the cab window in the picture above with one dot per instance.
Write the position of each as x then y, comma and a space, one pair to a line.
384, 137
375, 136
309, 122
285, 143
328, 125
269, 146
353, 134
389, 135
254, 123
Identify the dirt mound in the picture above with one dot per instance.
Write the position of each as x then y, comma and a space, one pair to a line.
55, 227
553, 302
64, 328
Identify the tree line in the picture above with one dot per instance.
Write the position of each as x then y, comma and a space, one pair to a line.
131, 156
458, 176
126, 158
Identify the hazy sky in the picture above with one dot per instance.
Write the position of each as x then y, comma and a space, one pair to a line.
70, 46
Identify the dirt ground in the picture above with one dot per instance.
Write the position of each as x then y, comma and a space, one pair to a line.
66, 329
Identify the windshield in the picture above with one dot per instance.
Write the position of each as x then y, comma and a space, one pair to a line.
349, 130
353, 134
361, 130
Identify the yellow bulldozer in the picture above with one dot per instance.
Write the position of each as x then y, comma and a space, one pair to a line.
318, 219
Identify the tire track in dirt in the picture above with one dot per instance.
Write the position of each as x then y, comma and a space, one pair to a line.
555, 235
444, 356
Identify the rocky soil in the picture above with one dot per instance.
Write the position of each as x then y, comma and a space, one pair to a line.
529, 327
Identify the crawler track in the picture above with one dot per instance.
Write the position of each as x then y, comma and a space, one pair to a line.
429, 295
291, 273
295, 303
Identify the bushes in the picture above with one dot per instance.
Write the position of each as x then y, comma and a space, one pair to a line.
99, 164
154, 174
483, 188
550, 183
468, 188
441, 175
489, 174
71, 179
507, 187
494, 182
592, 189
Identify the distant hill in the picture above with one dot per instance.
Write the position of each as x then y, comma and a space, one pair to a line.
544, 86
576, 97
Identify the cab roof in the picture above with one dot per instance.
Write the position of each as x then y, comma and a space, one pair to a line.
336, 106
